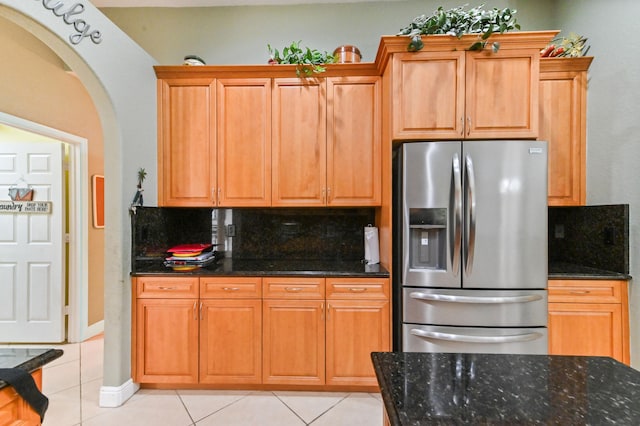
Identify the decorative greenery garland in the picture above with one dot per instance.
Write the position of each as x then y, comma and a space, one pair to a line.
458, 22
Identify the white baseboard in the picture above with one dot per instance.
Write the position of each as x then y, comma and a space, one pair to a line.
115, 396
93, 330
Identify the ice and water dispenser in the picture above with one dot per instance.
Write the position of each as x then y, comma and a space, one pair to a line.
427, 236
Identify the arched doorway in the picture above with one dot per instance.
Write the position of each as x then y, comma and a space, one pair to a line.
126, 102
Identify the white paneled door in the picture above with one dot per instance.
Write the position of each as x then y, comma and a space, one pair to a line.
32, 260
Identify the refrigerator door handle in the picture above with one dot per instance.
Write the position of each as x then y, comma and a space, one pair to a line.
434, 297
457, 215
526, 337
470, 219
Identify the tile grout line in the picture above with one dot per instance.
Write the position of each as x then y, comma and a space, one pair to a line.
193, 422
289, 408
330, 408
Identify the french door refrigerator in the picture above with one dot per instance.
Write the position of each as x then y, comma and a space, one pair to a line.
470, 246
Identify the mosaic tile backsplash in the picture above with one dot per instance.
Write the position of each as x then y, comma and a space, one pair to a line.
270, 233
593, 236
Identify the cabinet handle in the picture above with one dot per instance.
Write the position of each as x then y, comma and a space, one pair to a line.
357, 289
322, 312
230, 288
219, 195
468, 125
324, 196
167, 288
580, 292
293, 289
328, 195
213, 195
195, 315
328, 310
461, 126
201, 311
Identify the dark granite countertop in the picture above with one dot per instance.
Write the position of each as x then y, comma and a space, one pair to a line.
231, 267
566, 271
501, 389
26, 359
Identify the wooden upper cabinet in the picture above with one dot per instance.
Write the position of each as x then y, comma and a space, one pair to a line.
244, 142
187, 151
502, 94
446, 91
563, 109
299, 142
428, 95
353, 141
460, 94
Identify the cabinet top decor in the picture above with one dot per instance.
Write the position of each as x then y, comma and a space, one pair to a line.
389, 44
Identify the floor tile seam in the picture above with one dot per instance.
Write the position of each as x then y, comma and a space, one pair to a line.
329, 409
193, 422
321, 414
216, 411
290, 409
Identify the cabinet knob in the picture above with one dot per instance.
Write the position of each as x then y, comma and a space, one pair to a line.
357, 289
230, 288
293, 289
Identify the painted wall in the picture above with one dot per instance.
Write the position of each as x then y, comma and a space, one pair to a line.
239, 35
613, 148
118, 75
35, 86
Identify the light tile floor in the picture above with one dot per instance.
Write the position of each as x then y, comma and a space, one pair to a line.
72, 384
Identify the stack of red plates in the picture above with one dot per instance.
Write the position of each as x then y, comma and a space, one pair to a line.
187, 257
189, 250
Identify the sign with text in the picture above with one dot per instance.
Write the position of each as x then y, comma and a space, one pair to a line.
25, 206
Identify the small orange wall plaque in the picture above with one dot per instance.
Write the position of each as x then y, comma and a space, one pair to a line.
98, 201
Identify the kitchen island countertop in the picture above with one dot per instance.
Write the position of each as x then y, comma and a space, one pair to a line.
26, 359
455, 388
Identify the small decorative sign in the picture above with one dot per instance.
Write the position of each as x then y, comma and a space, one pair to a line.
25, 206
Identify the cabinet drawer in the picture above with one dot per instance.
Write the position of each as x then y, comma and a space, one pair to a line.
357, 288
293, 288
585, 291
231, 288
166, 287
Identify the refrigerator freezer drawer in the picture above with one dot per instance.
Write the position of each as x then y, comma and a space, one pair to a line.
424, 338
486, 308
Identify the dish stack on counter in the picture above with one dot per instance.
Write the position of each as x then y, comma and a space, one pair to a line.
187, 257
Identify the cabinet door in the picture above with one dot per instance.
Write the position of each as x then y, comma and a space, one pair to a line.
353, 141
293, 342
244, 142
563, 126
502, 94
231, 341
428, 95
586, 329
166, 341
355, 328
299, 142
186, 152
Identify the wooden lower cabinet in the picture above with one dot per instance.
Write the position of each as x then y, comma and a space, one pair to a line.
230, 341
589, 317
167, 341
357, 324
231, 330
272, 331
293, 342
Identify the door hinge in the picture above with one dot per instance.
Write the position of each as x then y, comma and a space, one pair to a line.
66, 238
66, 309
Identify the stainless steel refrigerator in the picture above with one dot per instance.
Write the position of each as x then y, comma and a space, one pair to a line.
470, 246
